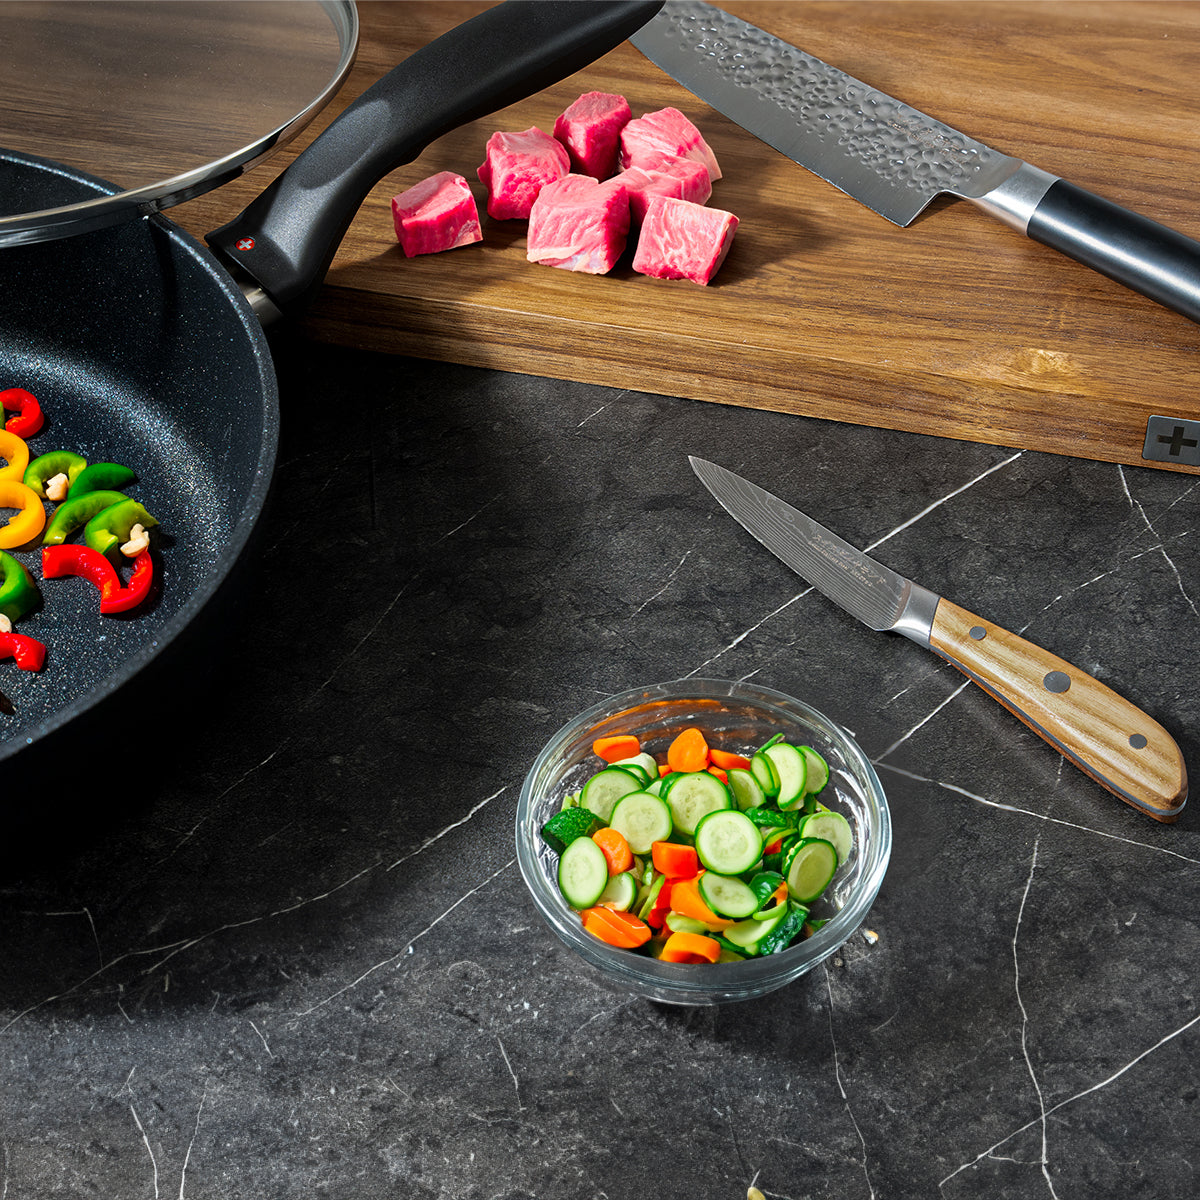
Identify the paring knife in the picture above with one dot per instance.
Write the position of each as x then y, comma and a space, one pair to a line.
1104, 735
895, 159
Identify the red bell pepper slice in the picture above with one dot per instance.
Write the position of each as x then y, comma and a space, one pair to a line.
29, 418
26, 652
89, 564
138, 588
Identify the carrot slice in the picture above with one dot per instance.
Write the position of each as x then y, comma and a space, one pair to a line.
687, 901
675, 862
720, 774
620, 929
688, 752
616, 849
725, 760
690, 948
620, 745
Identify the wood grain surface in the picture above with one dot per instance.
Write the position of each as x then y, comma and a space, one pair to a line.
956, 326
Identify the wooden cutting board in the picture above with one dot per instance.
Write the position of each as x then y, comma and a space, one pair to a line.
956, 326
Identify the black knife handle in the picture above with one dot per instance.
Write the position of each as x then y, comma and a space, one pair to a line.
1141, 254
286, 238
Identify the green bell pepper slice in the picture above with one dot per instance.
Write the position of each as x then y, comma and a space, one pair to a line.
101, 477
73, 514
56, 462
110, 527
18, 592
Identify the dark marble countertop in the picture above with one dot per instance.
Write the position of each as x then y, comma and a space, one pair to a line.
289, 953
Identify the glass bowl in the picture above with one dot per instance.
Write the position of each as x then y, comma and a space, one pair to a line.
737, 717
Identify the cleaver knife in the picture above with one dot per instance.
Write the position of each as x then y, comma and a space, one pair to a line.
1104, 735
895, 159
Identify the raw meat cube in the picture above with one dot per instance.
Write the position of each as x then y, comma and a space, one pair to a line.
436, 214
683, 178
669, 132
591, 131
579, 224
682, 240
517, 167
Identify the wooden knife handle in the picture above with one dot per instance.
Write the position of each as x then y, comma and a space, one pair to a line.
1104, 735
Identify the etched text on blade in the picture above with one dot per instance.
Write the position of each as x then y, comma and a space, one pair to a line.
901, 145
864, 588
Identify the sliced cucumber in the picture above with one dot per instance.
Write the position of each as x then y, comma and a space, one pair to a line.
582, 873
746, 936
643, 818
831, 826
727, 897
620, 891
818, 770
792, 770
639, 764
605, 788
808, 867
763, 769
747, 791
692, 795
728, 842
567, 825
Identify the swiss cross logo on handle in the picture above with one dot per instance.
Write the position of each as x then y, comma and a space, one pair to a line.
246, 243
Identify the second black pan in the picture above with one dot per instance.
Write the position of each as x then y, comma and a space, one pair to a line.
144, 350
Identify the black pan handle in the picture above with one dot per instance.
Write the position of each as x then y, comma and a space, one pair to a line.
286, 238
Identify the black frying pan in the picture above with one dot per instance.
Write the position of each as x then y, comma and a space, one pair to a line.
144, 350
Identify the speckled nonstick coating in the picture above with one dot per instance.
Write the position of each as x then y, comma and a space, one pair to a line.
142, 351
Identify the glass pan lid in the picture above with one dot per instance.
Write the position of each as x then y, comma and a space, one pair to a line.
165, 99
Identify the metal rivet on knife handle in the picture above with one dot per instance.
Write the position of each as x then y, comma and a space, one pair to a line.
1087, 722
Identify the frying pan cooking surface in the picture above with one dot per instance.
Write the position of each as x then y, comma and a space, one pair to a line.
156, 362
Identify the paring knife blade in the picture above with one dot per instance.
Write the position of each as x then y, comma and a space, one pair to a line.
1103, 734
895, 159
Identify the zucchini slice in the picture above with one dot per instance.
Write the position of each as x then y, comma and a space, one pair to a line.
692, 795
728, 842
831, 826
818, 770
620, 891
747, 791
582, 873
726, 896
808, 867
643, 818
605, 788
764, 771
792, 769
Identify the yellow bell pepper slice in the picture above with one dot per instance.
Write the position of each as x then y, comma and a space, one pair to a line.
31, 515
16, 452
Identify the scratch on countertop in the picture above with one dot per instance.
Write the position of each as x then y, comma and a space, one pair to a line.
837, 1071
1095, 1087
1025, 812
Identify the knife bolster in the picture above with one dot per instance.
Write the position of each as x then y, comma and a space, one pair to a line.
1016, 199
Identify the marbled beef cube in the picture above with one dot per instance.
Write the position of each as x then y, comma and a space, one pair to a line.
590, 129
682, 240
579, 224
516, 167
682, 178
665, 132
439, 213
